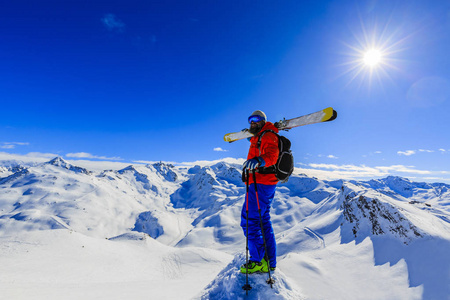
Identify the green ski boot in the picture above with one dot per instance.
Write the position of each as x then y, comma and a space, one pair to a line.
254, 267
265, 269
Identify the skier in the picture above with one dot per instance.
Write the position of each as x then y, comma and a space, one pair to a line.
263, 156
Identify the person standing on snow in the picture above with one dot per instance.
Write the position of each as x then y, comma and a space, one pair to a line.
258, 157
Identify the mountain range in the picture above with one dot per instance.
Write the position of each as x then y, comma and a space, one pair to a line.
164, 231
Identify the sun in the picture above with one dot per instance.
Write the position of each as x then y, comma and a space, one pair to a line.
372, 54
372, 58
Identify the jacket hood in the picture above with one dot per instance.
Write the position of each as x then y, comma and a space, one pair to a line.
269, 126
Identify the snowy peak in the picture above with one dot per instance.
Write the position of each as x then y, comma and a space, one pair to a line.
10, 167
59, 162
228, 173
130, 168
402, 187
14, 176
196, 191
13, 164
207, 190
366, 216
165, 170
138, 179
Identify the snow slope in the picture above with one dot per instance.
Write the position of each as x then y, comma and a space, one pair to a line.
165, 231
62, 264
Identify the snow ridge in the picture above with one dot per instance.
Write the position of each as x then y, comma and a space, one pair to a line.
229, 282
377, 218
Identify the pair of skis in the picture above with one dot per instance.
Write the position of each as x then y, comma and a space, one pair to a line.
325, 115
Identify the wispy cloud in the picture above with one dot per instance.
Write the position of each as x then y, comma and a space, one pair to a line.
403, 169
425, 150
112, 23
41, 155
30, 157
148, 162
411, 152
406, 153
218, 149
372, 153
90, 156
348, 172
327, 156
12, 145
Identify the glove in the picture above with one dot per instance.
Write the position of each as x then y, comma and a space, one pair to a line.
254, 163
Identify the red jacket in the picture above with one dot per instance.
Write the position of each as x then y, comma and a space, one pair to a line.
268, 151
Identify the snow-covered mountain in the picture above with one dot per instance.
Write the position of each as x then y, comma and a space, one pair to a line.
164, 231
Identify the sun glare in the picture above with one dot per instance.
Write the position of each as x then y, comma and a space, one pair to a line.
372, 58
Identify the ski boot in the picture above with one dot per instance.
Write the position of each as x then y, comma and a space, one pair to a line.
254, 267
265, 269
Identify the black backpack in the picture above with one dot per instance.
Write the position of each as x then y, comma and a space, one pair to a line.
285, 163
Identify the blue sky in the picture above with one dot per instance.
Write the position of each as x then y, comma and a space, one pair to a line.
165, 80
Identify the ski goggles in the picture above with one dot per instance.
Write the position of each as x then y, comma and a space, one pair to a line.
255, 118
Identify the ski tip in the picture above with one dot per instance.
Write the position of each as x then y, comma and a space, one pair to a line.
330, 114
228, 139
334, 116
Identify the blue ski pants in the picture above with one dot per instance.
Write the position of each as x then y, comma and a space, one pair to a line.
266, 194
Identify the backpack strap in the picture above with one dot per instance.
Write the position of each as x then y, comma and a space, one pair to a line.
258, 144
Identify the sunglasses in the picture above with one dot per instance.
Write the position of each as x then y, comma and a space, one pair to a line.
255, 118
